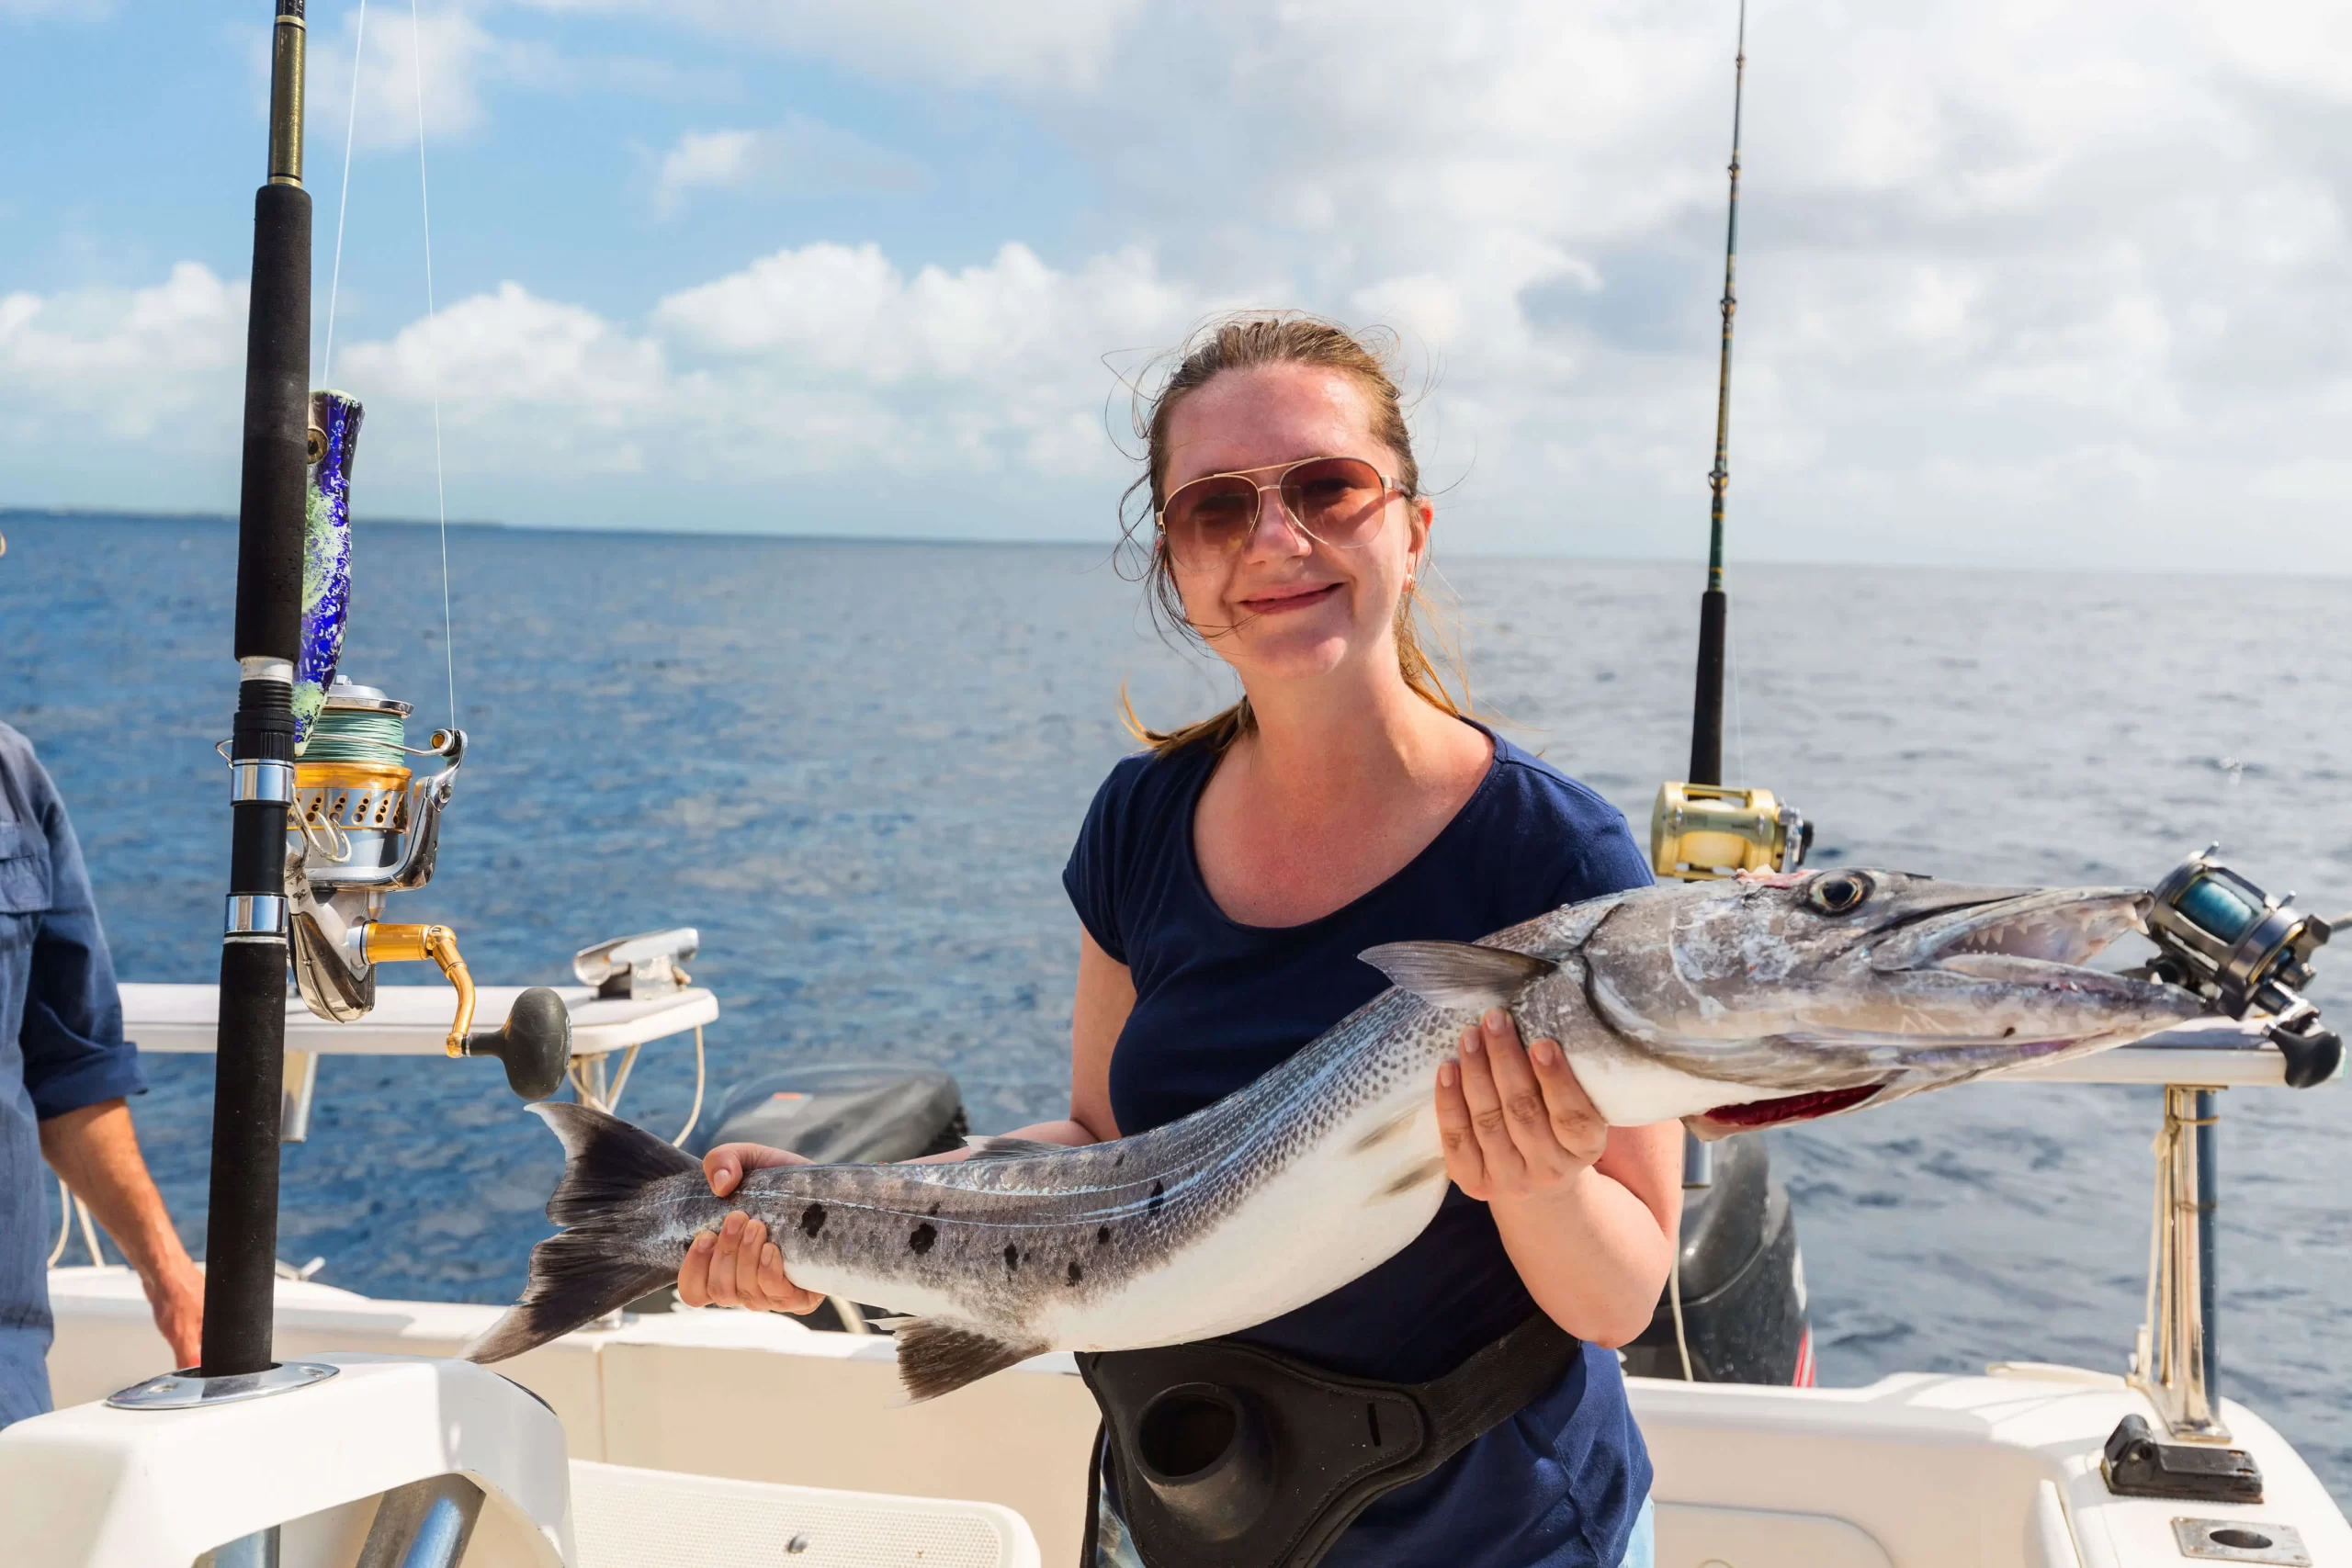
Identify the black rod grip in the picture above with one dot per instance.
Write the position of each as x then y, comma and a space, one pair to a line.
1707, 711
241, 1230
277, 423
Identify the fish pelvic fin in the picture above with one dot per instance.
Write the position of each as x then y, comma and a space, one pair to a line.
588, 1270
938, 1358
1459, 976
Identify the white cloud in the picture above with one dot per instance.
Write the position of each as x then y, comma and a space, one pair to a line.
799, 157
445, 53
1038, 44
2018, 282
123, 363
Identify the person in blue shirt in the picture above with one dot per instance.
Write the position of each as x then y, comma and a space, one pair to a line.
65, 1075
1225, 881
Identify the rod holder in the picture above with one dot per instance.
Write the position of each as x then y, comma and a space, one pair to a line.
2169, 1363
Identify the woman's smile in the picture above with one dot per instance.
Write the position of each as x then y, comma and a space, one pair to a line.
1281, 600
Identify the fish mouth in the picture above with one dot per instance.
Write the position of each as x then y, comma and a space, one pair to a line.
2047, 935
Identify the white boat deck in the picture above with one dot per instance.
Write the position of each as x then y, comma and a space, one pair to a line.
1911, 1471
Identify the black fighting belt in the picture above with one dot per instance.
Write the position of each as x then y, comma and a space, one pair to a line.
1228, 1455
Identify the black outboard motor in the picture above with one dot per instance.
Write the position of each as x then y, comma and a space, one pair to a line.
1743, 1282
846, 1111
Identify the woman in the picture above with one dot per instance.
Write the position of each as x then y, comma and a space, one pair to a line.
1225, 881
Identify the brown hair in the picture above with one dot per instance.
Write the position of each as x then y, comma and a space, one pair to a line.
1247, 341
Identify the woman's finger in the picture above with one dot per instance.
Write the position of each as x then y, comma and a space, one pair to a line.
726, 1165
1526, 1118
722, 1259
747, 1266
694, 1274
1575, 1123
776, 1289
1465, 1166
1505, 1166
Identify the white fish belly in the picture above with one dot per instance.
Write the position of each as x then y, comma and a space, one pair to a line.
1354, 1200
1632, 1090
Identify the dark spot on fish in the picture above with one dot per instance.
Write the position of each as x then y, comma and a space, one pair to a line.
924, 1238
812, 1219
1102, 1235
933, 1211
1406, 1180
1075, 1273
1012, 1258
1159, 1196
1120, 1160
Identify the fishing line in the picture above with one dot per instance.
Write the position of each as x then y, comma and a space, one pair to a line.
440, 486
342, 202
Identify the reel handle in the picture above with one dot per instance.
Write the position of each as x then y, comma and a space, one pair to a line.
2313, 1051
535, 1043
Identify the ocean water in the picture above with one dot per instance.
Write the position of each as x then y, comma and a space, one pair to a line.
857, 769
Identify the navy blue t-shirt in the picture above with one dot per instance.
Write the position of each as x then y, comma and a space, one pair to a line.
1217, 1003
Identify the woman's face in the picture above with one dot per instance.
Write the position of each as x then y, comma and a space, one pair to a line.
1284, 605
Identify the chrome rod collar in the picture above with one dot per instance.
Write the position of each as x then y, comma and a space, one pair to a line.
191, 1390
272, 782
256, 914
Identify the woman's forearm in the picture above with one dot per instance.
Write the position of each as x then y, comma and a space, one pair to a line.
1591, 1253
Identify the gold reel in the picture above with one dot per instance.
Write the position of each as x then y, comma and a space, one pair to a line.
1702, 832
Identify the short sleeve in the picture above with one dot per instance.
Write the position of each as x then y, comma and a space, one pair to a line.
1611, 862
75, 1054
1093, 877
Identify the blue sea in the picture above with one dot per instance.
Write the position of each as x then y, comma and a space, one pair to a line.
857, 767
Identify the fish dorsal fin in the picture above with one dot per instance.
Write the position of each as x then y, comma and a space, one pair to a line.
936, 1359
1011, 1148
1459, 975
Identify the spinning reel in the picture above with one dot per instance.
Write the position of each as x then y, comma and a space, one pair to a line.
2244, 952
361, 825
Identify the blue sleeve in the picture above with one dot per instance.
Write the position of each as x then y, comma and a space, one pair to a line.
73, 1049
1611, 861
1092, 878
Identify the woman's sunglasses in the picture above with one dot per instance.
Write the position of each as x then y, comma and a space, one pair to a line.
1338, 501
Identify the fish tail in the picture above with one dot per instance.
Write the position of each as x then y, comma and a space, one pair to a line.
590, 1267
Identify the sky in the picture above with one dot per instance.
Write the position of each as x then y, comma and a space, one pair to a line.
2042, 285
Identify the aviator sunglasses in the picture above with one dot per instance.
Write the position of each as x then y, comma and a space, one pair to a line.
1338, 501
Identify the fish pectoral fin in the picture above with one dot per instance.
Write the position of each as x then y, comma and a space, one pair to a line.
937, 1357
1011, 1148
1459, 975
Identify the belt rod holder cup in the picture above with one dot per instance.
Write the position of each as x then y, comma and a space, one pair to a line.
1703, 833
1203, 1450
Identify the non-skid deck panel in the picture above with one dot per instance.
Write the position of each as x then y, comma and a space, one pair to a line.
624, 1518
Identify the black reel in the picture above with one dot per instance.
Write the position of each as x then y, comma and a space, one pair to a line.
2220, 936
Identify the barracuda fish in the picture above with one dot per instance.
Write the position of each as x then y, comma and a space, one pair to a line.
327, 555
1725, 1005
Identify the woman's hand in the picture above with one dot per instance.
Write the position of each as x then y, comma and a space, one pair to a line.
1514, 1121
738, 1265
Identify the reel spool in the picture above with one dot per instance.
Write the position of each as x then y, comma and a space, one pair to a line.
1704, 832
362, 826
2220, 936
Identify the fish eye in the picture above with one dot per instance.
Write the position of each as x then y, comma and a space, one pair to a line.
1838, 892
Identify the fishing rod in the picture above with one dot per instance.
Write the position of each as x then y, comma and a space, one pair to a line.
327, 819
241, 1230
1700, 828
1707, 713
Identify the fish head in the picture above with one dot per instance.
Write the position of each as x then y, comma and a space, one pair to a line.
1853, 973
